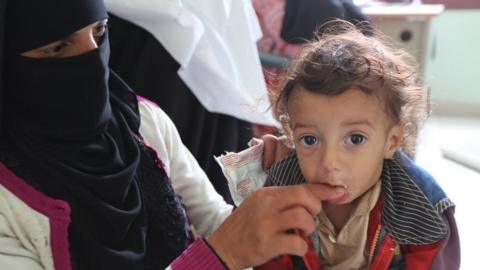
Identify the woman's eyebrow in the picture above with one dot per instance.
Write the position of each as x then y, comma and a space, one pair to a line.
58, 42
53, 44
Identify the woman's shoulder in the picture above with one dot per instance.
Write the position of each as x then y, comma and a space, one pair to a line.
155, 124
151, 114
159, 132
25, 223
11, 185
18, 193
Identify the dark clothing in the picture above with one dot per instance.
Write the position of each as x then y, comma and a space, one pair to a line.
33, 24
74, 126
303, 17
2, 37
149, 69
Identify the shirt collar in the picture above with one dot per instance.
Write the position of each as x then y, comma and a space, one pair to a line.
407, 213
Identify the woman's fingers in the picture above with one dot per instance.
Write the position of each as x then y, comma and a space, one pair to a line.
290, 244
269, 150
257, 230
275, 149
308, 196
296, 218
325, 192
282, 198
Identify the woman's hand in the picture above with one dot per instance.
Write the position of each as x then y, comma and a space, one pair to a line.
257, 231
274, 149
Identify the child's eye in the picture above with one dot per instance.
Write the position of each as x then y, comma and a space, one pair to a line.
308, 140
355, 139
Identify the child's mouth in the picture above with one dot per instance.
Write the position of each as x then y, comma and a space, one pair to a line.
340, 199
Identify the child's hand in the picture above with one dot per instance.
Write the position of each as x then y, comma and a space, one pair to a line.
275, 149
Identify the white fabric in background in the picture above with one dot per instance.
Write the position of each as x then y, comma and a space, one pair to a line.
215, 43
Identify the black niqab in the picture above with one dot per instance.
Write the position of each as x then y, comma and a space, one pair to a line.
32, 24
76, 132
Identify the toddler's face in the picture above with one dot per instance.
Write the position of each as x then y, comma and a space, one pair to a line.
342, 140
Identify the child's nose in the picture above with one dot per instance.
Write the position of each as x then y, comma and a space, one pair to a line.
329, 160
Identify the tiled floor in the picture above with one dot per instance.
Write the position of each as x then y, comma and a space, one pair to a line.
461, 183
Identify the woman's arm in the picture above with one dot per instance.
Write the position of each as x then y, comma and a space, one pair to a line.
205, 207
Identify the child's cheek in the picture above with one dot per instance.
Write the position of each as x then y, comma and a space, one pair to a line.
308, 169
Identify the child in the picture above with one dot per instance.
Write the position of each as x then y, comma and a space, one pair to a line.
351, 107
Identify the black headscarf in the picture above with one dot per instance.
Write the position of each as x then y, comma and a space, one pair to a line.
74, 123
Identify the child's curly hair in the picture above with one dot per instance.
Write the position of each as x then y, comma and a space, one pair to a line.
342, 58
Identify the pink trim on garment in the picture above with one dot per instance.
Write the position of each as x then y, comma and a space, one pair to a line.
150, 149
159, 161
197, 256
143, 99
57, 211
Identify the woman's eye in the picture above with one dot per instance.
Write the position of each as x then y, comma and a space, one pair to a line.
99, 31
56, 50
308, 140
356, 139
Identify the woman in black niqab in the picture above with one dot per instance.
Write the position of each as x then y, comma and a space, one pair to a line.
73, 125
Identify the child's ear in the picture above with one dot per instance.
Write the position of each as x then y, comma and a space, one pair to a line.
284, 119
394, 140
